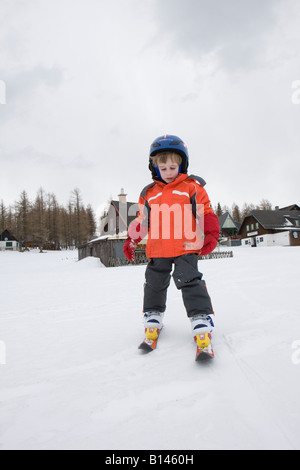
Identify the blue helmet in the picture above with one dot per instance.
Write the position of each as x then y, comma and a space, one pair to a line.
173, 144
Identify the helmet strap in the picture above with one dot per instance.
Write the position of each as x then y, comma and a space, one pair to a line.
157, 171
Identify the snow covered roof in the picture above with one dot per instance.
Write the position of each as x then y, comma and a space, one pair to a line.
120, 236
293, 207
276, 220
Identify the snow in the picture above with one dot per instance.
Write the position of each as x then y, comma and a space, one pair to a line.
73, 377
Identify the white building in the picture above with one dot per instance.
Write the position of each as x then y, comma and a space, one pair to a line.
8, 242
280, 227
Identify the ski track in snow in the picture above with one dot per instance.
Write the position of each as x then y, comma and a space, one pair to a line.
74, 378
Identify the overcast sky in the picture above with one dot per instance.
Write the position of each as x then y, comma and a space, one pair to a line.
87, 85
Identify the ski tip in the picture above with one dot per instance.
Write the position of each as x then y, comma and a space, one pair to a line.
146, 348
203, 356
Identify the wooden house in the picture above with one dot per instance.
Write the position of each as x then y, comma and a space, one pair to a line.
118, 217
113, 233
8, 241
271, 227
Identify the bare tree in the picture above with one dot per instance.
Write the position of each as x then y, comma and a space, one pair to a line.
46, 224
236, 213
265, 205
39, 225
218, 211
90, 222
79, 217
247, 208
23, 208
53, 221
3, 217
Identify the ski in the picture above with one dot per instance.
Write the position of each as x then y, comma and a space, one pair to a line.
149, 343
203, 354
204, 347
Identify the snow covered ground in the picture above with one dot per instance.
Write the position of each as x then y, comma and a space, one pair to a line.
74, 378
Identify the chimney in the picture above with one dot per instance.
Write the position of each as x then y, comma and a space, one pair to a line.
122, 197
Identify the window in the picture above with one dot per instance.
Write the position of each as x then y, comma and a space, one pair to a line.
247, 228
257, 225
8, 244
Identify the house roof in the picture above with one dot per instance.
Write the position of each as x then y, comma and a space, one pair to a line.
7, 235
132, 216
293, 207
223, 218
276, 220
121, 215
129, 204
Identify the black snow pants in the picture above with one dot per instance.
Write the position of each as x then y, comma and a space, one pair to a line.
187, 278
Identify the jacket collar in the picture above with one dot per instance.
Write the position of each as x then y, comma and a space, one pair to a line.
181, 177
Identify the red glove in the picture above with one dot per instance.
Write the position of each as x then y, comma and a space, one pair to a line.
211, 232
136, 233
129, 248
210, 243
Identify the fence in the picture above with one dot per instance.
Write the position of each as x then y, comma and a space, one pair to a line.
110, 252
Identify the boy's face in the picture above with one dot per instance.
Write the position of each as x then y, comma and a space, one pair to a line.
169, 170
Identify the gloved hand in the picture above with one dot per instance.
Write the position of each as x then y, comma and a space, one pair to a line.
211, 232
210, 243
129, 247
136, 233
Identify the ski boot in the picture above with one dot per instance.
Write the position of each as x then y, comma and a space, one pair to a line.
202, 326
153, 326
204, 346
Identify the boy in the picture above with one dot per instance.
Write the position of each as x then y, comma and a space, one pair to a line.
175, 212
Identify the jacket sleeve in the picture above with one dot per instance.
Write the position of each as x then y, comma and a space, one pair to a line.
208, 221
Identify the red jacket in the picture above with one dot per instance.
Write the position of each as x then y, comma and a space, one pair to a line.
177, 216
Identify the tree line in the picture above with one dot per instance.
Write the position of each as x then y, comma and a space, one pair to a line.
238, 214
46, 224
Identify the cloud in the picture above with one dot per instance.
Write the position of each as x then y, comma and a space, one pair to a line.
234, 29
91, 83
27, 81
81, 163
